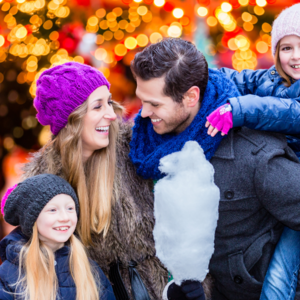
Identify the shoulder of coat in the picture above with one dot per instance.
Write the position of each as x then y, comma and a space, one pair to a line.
262, 140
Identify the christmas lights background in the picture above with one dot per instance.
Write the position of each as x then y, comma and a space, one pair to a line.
35, 34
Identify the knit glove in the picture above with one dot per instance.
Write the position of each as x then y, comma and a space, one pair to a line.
220, 120
189, 290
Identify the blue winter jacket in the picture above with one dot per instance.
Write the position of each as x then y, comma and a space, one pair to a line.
266, 103
9, 251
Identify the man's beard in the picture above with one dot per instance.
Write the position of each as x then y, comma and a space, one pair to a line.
177, 124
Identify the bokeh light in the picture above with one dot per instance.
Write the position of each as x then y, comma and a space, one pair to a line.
202, 11
211, 21
159, 3
262, 47
142, 40
155, 37
266, 27
178, 13
2, 40
130, 43
120, 50
261, 3
226, 7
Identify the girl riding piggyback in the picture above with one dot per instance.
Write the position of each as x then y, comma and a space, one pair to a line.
42, 258
270, 101
270, 98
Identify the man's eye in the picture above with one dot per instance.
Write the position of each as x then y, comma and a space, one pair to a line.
155, 105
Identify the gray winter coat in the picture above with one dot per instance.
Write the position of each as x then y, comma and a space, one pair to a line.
258, 176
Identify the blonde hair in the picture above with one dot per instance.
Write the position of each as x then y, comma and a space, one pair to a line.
37, 277
278, 66
92, 180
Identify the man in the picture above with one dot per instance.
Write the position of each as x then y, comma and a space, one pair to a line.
257, 173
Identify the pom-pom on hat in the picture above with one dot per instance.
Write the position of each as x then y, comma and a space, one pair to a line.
62, 89
4, 198
24, 203
287, 23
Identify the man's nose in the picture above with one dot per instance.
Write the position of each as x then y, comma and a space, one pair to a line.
146, 112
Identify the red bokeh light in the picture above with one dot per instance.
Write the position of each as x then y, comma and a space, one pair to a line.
169, 6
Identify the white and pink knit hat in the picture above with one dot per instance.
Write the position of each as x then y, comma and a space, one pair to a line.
287, 23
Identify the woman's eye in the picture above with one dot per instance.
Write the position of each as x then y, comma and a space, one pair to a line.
52, 210
155, 105
110, 102
71, 208
97, 107
286, 48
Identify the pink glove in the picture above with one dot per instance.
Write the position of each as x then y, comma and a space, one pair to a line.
221, 118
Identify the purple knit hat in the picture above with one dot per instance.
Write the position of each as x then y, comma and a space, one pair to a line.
62, 89
287, 23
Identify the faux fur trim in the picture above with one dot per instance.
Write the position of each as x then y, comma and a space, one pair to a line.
130, 233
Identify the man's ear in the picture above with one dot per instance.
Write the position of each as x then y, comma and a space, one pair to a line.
192, 96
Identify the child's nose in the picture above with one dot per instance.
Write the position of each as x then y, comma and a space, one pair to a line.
296, 53
63, 216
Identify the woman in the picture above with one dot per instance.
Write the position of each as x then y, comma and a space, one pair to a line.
91, 153
116, 206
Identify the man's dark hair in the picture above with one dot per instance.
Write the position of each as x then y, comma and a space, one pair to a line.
179, 61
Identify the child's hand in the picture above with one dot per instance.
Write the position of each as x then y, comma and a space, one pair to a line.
219, 120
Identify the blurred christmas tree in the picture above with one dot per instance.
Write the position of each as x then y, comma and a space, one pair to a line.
35, 34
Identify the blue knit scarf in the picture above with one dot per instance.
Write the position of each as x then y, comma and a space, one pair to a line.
147, 147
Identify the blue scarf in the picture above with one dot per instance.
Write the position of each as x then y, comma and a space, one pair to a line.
147, 147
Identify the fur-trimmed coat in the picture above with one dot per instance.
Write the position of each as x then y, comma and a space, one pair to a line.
130, 233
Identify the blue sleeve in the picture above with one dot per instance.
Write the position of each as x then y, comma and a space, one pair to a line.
106, 290
4, 295
246, 81
266, 113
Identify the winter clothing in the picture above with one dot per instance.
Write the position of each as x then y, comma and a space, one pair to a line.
190, 290
258, 177
62, 89
287, 23
10, 247
130, 234
28, 199
278, 110
221, 118
148, 147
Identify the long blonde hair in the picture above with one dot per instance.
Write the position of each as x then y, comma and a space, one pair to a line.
37, 277
92, 180
278, 66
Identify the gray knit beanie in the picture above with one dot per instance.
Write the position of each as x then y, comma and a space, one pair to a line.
25, 202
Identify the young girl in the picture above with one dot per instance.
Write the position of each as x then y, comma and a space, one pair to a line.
266, 112
42, 258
